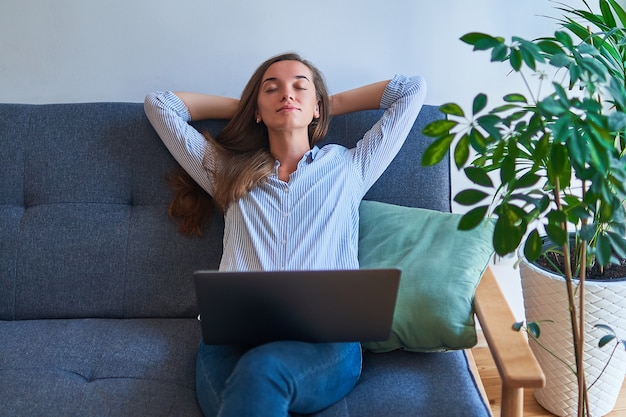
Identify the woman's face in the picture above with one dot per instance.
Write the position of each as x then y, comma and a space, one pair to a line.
287, 98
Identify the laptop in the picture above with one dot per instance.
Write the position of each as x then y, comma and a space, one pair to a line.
251, 308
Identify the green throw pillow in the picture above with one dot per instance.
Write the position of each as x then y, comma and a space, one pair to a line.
441, 268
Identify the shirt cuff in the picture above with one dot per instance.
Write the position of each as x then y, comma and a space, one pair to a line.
174, 103
394, 89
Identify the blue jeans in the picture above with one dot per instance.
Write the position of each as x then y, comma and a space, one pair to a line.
275, 378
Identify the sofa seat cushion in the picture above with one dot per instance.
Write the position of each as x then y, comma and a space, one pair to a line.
96, 367
146, 367
402, 383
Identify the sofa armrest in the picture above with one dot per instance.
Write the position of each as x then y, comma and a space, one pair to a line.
516, 364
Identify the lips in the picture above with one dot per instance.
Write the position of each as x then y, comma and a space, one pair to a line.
287, 108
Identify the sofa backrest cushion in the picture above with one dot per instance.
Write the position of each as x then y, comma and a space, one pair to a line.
84, 230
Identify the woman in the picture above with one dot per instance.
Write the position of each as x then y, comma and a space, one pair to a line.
288, 205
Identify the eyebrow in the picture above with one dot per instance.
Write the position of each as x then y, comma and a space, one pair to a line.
297, 77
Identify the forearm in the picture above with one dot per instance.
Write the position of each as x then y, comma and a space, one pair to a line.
362, 98
205, 106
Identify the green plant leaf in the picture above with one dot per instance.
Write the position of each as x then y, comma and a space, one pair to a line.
470, 197
618, 243
473, 37
557, 217
473, 218
561, 129
530, 53
544, 203
478, 176
481, 41
557, 164
479, 103
605, 340
534, 329
556, 234
575, 74
490, 124
556, 229
452, 109
604, 327
603, 250
607, 14
437, 150
498, 152
586, 49
515, 58
594, 67
533, 246
461, 151
542, 147
577, 29
577, 213
508, 231
439, 127
552, 106
599, 158
561, 94
499, 53
478, 141
549, 47
507, 169
588, 231
577, 147
515, 98
527, 180
619, 11
560, 60
504, 108
617, 121
564, 38
618, 92
606, 208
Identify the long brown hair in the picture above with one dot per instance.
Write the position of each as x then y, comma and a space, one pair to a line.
244, 153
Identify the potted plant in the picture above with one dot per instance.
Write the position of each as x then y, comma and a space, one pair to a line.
550, 168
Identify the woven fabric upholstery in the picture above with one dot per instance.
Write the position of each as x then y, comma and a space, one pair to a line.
97, 307
99, 367
87, 234
405, 182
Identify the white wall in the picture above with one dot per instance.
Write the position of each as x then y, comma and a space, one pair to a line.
76, 50
117, 50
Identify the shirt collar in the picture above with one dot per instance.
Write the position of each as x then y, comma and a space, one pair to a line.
310, 155
307, 158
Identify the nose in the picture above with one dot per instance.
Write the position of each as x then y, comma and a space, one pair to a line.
287, 94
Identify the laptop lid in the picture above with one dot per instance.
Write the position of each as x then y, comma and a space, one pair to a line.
251, 308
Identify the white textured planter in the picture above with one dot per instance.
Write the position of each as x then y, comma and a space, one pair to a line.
545, 298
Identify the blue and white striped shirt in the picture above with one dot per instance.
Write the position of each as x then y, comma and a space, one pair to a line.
312, 221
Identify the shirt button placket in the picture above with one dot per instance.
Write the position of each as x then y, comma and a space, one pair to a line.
285, 228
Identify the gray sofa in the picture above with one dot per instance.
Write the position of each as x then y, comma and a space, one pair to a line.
97, 306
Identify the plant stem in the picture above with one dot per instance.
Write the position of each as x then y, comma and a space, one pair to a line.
572, 305
583, 403
580, 363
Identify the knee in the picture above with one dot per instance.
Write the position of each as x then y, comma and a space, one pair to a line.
261, 366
